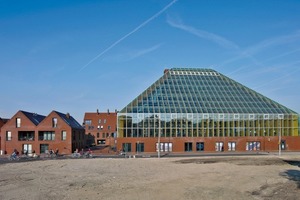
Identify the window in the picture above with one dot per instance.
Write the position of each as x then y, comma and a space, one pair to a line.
139, 147
219, 146
103, 135
126, 147
27, 148
18, 122
54, 122
108, 127
88, 122
25, 135
104, 121
8, 135
188, 146
44, 148
46, 135
253, 146
98, 135
63, 135
231, 146
165, 147
200, 146
99, 121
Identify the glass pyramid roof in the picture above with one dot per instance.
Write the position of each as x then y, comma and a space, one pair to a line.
191, 90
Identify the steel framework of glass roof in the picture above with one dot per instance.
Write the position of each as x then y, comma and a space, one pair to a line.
190, 102
182, 90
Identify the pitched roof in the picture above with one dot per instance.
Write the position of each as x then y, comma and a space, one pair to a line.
190, 90
4, 120
69, 120
34, 117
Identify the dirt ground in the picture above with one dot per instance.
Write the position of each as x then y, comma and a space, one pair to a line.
249, 177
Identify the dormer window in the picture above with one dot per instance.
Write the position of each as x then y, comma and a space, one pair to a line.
18, 122
54, 122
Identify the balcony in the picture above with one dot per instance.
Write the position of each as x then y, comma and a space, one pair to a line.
26, 135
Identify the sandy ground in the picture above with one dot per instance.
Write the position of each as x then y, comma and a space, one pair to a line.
251, 177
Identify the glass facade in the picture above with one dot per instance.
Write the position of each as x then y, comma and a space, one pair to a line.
187, 102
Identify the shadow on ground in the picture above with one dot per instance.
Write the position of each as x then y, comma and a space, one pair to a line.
293, 175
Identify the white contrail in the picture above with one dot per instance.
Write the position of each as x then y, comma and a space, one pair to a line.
204, 34
130, 33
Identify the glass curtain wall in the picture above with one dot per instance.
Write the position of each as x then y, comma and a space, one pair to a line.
207, 125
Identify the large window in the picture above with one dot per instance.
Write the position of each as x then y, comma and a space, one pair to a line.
188, 146
253, 146
200, 146
165, 147
8, 135
231, 146
219, 146
27, 148
126, 147
46, 135
63, 135
18, 122
44, 148
25, 135
139, 147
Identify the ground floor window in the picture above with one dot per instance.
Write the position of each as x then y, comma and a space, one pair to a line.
253, 146
101, 141
44, 148
126, 147
165, 147
188, 146
27, 148
219, 146
231, 146
139, 147
200, 146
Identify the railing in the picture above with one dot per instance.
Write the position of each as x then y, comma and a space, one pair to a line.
26, 138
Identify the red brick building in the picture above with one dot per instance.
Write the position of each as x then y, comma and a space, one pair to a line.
2, 122
30, 132
100, 128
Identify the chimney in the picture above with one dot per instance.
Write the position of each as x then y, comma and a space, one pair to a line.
97, 111
68, 115
108, 111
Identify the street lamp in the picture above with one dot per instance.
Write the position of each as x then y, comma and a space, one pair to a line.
158, 153
280, 117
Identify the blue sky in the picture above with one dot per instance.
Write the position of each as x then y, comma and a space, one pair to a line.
79, 56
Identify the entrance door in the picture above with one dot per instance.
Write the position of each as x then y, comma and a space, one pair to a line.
283, 144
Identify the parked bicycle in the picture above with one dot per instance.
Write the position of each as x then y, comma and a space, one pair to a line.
14, 156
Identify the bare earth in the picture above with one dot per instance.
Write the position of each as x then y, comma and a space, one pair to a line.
250, 177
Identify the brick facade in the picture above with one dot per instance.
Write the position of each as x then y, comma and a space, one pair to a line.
100, 127
33, 132
241, 144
